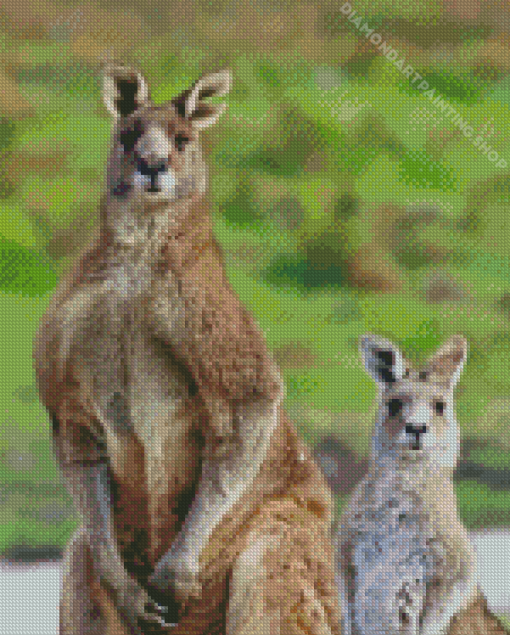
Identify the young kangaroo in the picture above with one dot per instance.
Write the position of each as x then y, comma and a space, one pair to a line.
194, 488
405, 563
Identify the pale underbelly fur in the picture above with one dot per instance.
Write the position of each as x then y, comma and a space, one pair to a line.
133, 384
395, 556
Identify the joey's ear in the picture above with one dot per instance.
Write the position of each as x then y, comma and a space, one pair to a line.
190, 103
124, 90
383, 361
449, 360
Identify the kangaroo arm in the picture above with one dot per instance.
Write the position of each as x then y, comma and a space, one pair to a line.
88, 483
210, 332
228, 470
217, 339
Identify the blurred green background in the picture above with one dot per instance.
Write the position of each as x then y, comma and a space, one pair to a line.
344, 200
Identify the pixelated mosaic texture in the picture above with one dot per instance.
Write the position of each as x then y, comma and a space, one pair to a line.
344, 198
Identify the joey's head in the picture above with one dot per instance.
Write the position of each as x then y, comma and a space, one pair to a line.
416, 418
155, 156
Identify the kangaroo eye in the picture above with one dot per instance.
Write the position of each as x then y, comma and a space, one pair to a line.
129, 136
439, 407
180, 141
395, 406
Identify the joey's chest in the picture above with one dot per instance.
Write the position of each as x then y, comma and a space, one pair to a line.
392, 532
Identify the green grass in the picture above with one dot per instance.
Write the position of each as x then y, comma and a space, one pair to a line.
505, 620
480, 506
364, 136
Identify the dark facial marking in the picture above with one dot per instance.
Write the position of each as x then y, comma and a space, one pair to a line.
422, 376
180, 102
394, 407
180, 141
130, 135
439, 407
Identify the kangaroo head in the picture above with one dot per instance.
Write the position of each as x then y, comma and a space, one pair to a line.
416, 416
155, 156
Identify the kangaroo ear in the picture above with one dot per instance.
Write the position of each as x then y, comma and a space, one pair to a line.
383, 361
190, 103
124, 90
449, 360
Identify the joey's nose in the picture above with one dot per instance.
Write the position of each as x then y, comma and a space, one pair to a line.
413, 429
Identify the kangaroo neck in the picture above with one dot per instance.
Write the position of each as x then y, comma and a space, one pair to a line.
418, 472
173, 235
131, 223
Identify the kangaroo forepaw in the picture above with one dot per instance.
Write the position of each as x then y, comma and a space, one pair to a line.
139, 611
177, 578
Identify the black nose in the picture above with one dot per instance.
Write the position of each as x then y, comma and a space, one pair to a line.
416, 430
151, 169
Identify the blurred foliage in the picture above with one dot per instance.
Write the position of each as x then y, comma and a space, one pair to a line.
24, 271
344, 199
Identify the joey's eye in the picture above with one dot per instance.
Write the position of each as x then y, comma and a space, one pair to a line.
395, 406
439, 407
130, 135
180, 141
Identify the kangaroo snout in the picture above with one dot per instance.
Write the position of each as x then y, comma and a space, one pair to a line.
153, 174
151, 166
413, 429
416, 430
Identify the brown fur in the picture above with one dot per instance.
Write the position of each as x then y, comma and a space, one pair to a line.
476, 619
288, 500
185, 328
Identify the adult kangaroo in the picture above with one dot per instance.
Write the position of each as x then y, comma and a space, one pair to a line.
193, 487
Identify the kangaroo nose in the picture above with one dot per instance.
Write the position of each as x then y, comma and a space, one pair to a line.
152, 166
416, 429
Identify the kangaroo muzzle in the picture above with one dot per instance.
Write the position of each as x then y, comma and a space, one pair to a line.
152, 169
416, 430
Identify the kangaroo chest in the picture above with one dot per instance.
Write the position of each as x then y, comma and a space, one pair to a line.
136, 387
392, 529
395, 551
